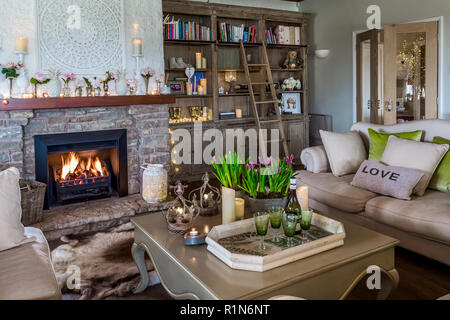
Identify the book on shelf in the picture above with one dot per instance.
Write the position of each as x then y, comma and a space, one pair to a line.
230, 33
189, 31
289, 35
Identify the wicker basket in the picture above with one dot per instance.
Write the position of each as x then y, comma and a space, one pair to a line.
33, 195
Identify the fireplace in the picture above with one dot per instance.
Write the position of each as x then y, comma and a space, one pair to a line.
82, 166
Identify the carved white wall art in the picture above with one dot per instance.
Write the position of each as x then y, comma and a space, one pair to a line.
81, 36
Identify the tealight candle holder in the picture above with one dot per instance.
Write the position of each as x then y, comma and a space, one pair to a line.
194, 238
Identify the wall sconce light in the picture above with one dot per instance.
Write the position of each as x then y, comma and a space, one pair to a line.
322, 54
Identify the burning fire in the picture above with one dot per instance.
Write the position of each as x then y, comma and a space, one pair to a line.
74, 168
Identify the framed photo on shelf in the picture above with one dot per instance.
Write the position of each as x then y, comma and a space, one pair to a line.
176, 86
292, 103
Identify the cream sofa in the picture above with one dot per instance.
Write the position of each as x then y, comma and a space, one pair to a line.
422, 224
26, 272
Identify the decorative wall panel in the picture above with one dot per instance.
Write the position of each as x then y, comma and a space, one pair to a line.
82, 36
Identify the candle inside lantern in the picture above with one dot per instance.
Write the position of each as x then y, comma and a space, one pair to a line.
240, 208
180, 211
206, 230
239, 113
21, 45
137, 46
302, 196
198, 60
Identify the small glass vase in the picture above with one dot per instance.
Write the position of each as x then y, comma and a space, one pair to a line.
89, 91
35, 91
66, 91
97, 92
146, 82
106, 89
131, 90
11, 87
79, 92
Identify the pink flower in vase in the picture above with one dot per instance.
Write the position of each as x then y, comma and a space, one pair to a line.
9, 65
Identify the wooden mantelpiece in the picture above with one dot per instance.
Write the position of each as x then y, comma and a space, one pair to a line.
81, 102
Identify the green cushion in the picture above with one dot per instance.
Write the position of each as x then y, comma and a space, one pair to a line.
441, 177
378, 141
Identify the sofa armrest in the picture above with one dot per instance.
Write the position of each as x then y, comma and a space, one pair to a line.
315, 159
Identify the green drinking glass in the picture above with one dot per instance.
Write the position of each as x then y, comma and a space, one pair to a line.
289, 225
262, 225
305, 222
276, 218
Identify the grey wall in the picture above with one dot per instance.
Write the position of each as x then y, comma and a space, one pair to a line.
332, 26
273, 4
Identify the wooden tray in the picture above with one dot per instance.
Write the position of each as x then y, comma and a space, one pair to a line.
237, 244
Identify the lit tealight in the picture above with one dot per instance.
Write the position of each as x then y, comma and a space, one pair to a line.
45, 95
193, 232
180, 211
5, 102
206, 229
155, 92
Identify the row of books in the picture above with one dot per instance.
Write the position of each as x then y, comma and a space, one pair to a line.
283, 35
229, 33
186, 31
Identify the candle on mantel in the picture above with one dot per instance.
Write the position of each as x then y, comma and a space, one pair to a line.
239, 113
137, 46
240, 208
204, 63
198, 60
302, 196
21, 45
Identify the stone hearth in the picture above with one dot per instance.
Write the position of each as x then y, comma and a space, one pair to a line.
96, 216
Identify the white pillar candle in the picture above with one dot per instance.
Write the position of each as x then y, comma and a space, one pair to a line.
198, 60
188, 88
228, 205
204, 63
137, 46
302, 196
240, 208
21, 45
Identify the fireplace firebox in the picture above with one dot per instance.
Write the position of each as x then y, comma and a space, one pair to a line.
82, 166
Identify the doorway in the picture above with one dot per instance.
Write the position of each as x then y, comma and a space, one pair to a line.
397, 73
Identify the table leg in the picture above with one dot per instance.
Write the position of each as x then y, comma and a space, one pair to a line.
138, 252
389, 281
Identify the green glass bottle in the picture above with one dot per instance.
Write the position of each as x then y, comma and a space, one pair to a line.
293, 206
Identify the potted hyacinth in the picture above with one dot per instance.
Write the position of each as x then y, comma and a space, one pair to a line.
10, 71
267, 182
147, 73
229, 170
68, 77
38, 80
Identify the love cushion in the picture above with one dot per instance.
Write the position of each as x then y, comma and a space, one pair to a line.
390, 181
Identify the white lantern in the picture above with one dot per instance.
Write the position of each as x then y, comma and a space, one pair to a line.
154, 183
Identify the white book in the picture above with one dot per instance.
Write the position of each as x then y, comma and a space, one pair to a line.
297, 36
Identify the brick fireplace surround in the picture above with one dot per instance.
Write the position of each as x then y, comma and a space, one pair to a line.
148, 142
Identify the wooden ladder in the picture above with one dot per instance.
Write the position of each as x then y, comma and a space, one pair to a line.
273, 100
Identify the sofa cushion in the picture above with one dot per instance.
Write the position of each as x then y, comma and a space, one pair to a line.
26, 272
378, 141
426, 216
334, 191
345, 151
415, 155
441, 177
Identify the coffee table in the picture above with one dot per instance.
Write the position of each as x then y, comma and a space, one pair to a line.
195, 273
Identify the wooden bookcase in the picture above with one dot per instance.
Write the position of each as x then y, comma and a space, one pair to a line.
222, 57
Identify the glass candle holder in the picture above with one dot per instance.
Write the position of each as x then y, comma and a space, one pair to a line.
276, 218
305, 222
154, 183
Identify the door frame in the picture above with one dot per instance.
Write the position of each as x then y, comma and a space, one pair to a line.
440, 20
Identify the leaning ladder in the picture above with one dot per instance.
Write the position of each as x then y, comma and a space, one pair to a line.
273, 100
